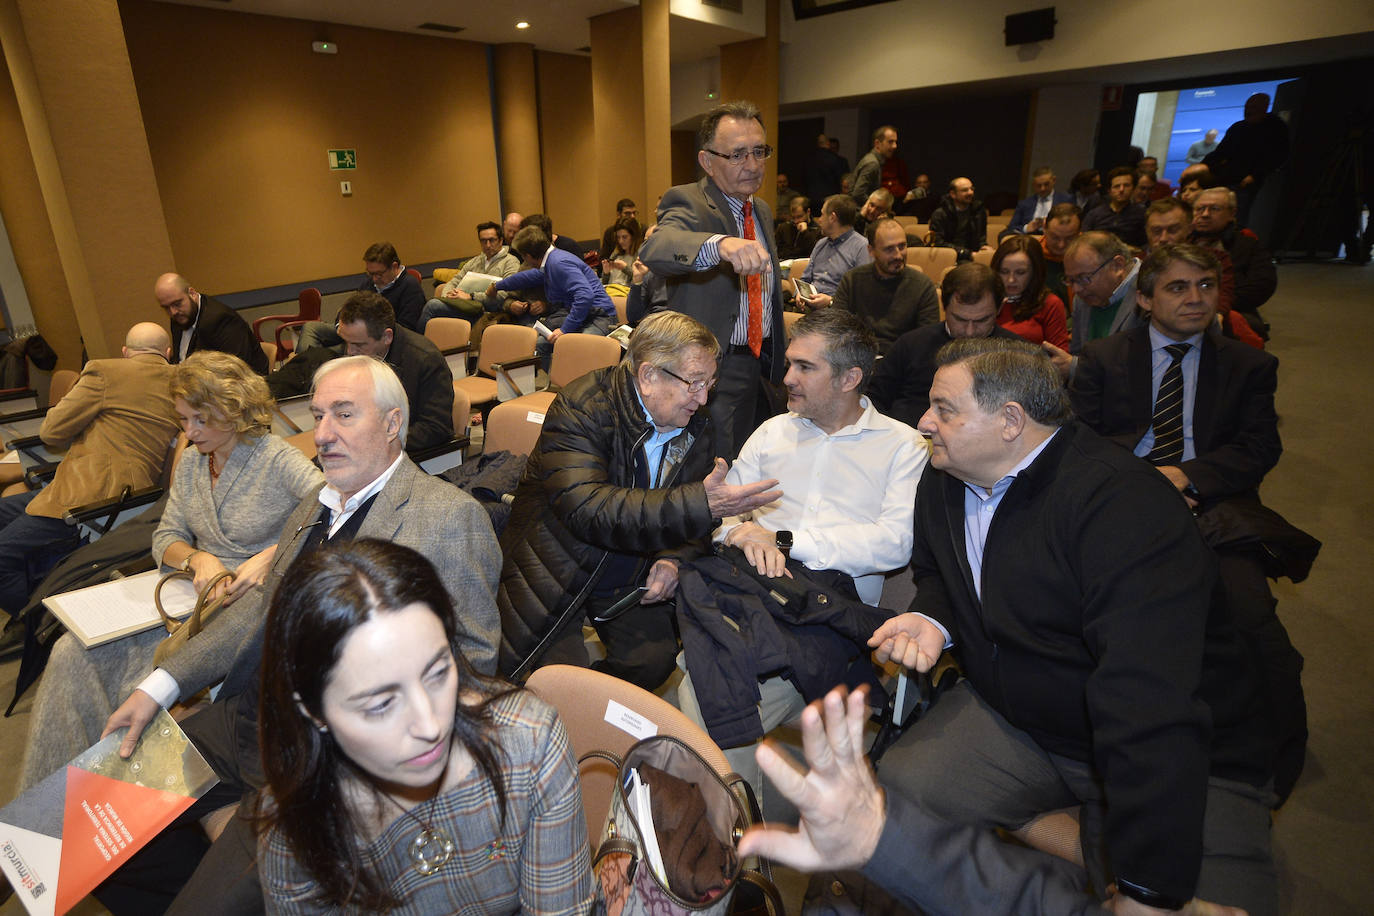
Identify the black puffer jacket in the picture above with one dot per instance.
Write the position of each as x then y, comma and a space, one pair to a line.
577, 502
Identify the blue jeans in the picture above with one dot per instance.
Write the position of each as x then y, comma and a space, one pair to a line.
30, 545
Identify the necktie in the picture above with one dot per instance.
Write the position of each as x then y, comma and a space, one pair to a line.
754, 284
1168, 415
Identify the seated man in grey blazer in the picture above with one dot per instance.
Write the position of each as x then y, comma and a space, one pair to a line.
371, 489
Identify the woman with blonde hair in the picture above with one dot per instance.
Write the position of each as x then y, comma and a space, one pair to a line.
229, 497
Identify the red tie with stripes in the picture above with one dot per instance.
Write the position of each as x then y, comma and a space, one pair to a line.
754, 283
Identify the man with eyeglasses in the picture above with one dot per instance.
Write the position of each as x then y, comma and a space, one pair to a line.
1248, 277
622, 487
1214, 442
366, 326
849, 474
386, 276
1101, 271
714, 247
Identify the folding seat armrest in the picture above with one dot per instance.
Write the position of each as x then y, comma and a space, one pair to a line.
456, 444
107, 511
510, 364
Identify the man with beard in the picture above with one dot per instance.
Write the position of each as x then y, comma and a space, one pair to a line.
199, 322
889, 297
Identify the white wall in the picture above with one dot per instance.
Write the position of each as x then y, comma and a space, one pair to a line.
912, 43
690, 83
751, 20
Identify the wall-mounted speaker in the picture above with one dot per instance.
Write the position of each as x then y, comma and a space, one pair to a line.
1026, 28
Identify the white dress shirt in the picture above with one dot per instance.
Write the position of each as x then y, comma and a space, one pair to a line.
848, 498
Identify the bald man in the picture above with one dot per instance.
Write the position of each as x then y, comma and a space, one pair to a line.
116, 424
199, 322
511, 225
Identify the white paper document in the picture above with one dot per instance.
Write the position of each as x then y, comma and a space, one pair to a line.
101, 613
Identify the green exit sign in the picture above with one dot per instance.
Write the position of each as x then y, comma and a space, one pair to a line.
343, 159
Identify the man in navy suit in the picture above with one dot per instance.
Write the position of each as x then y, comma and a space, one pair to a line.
1227, 440
1030, 215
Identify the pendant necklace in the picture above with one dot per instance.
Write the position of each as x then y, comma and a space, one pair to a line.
432, 848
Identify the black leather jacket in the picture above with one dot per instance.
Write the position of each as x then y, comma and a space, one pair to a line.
577, 506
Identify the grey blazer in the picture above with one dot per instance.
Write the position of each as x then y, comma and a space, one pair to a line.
425, 513
688, 215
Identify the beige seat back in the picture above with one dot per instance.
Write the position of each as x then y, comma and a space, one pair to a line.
514, 425
452, 336
595, 708
504, 343
574, 355
932, 261
61, 382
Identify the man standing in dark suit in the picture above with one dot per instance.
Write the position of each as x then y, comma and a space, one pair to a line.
1214, 442
714, 246
202, 323
1077, 594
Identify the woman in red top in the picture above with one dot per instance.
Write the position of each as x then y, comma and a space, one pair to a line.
1028, 309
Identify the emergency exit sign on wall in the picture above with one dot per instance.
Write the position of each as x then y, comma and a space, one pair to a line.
343, 159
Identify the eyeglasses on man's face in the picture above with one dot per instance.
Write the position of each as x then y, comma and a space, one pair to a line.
1082, 280
739, 156
695, 387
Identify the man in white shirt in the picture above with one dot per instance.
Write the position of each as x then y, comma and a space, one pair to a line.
848, 476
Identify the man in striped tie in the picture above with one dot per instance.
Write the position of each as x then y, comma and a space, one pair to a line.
1200, 407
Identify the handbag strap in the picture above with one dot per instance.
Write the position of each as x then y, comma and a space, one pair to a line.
202, 600
771, 902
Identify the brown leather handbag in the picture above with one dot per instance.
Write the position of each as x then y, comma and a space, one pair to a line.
180, 632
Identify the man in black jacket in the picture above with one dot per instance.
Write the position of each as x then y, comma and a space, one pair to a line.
971, 295
1071, 580
367, 327
619, 490
199, 322
960, 222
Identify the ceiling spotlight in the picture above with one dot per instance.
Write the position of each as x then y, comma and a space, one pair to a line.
522, 24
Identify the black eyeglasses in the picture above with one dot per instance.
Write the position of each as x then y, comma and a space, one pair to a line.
737, 157
1084, 279
696, 387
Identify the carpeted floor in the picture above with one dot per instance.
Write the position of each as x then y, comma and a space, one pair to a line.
1323, 318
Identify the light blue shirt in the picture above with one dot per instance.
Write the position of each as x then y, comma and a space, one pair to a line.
655, 444
831, 259
1159, 364
980, 507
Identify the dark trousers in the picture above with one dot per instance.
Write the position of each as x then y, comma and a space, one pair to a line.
180, 871
641, 644
30, 545
964, 762
1254, 612
741, 400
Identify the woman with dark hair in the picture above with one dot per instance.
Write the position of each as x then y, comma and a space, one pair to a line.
1028, 309
617, 267
398, 780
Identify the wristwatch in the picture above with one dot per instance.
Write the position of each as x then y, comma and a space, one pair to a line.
783, 541
186, 563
